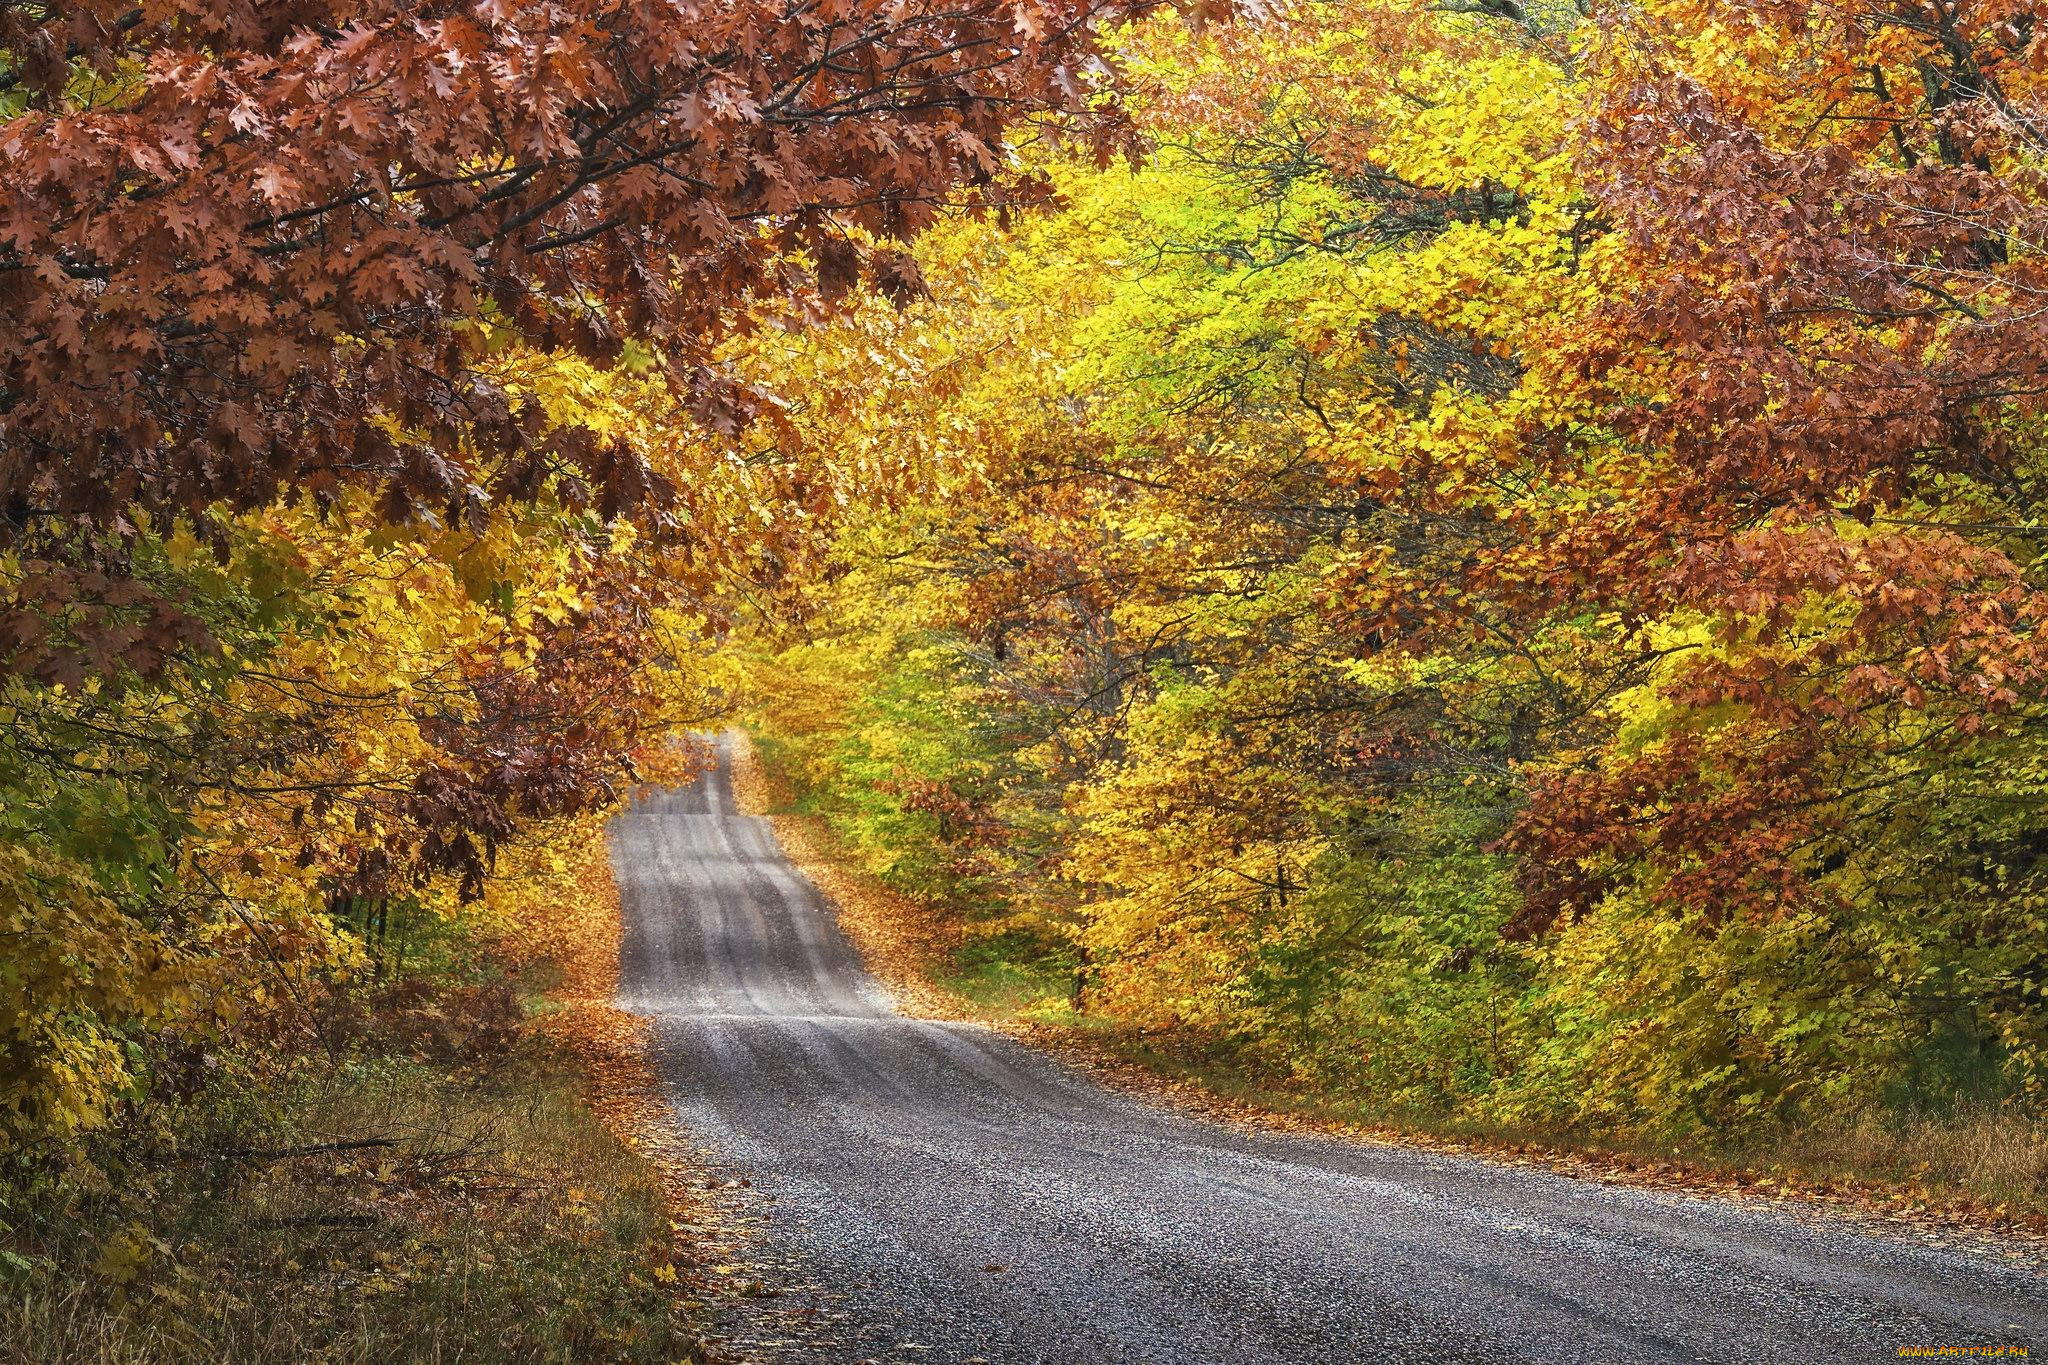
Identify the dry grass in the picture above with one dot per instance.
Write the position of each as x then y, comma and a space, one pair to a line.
437, 1206
376, 1212
1993, 1157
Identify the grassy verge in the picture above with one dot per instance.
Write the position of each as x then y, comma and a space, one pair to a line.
1981, 1173
375, 1210
1011, 976
455, 1165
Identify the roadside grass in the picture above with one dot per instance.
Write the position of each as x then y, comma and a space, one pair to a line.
1991, 1155
1976, 1165
361, 1210
1010, 975
380, 1209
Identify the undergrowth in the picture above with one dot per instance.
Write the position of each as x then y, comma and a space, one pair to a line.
364, 1209
1973, 1160
399, 1168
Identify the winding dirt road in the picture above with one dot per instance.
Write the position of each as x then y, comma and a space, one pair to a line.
936, 1192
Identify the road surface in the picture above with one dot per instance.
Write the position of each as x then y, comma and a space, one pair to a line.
936, 1192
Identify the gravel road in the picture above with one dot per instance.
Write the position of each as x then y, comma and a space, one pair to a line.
935, 1192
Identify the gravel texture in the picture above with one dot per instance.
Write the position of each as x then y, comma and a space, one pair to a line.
937, 1192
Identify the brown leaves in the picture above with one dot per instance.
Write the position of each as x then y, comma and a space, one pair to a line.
62, 625
1842, 314
272, 241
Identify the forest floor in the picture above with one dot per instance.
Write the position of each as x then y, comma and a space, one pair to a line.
1980, 1178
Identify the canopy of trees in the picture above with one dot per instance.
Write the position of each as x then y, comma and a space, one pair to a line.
1489, 560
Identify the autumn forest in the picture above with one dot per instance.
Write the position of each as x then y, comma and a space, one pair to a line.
1470, 561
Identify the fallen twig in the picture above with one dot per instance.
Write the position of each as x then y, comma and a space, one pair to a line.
315, 1149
